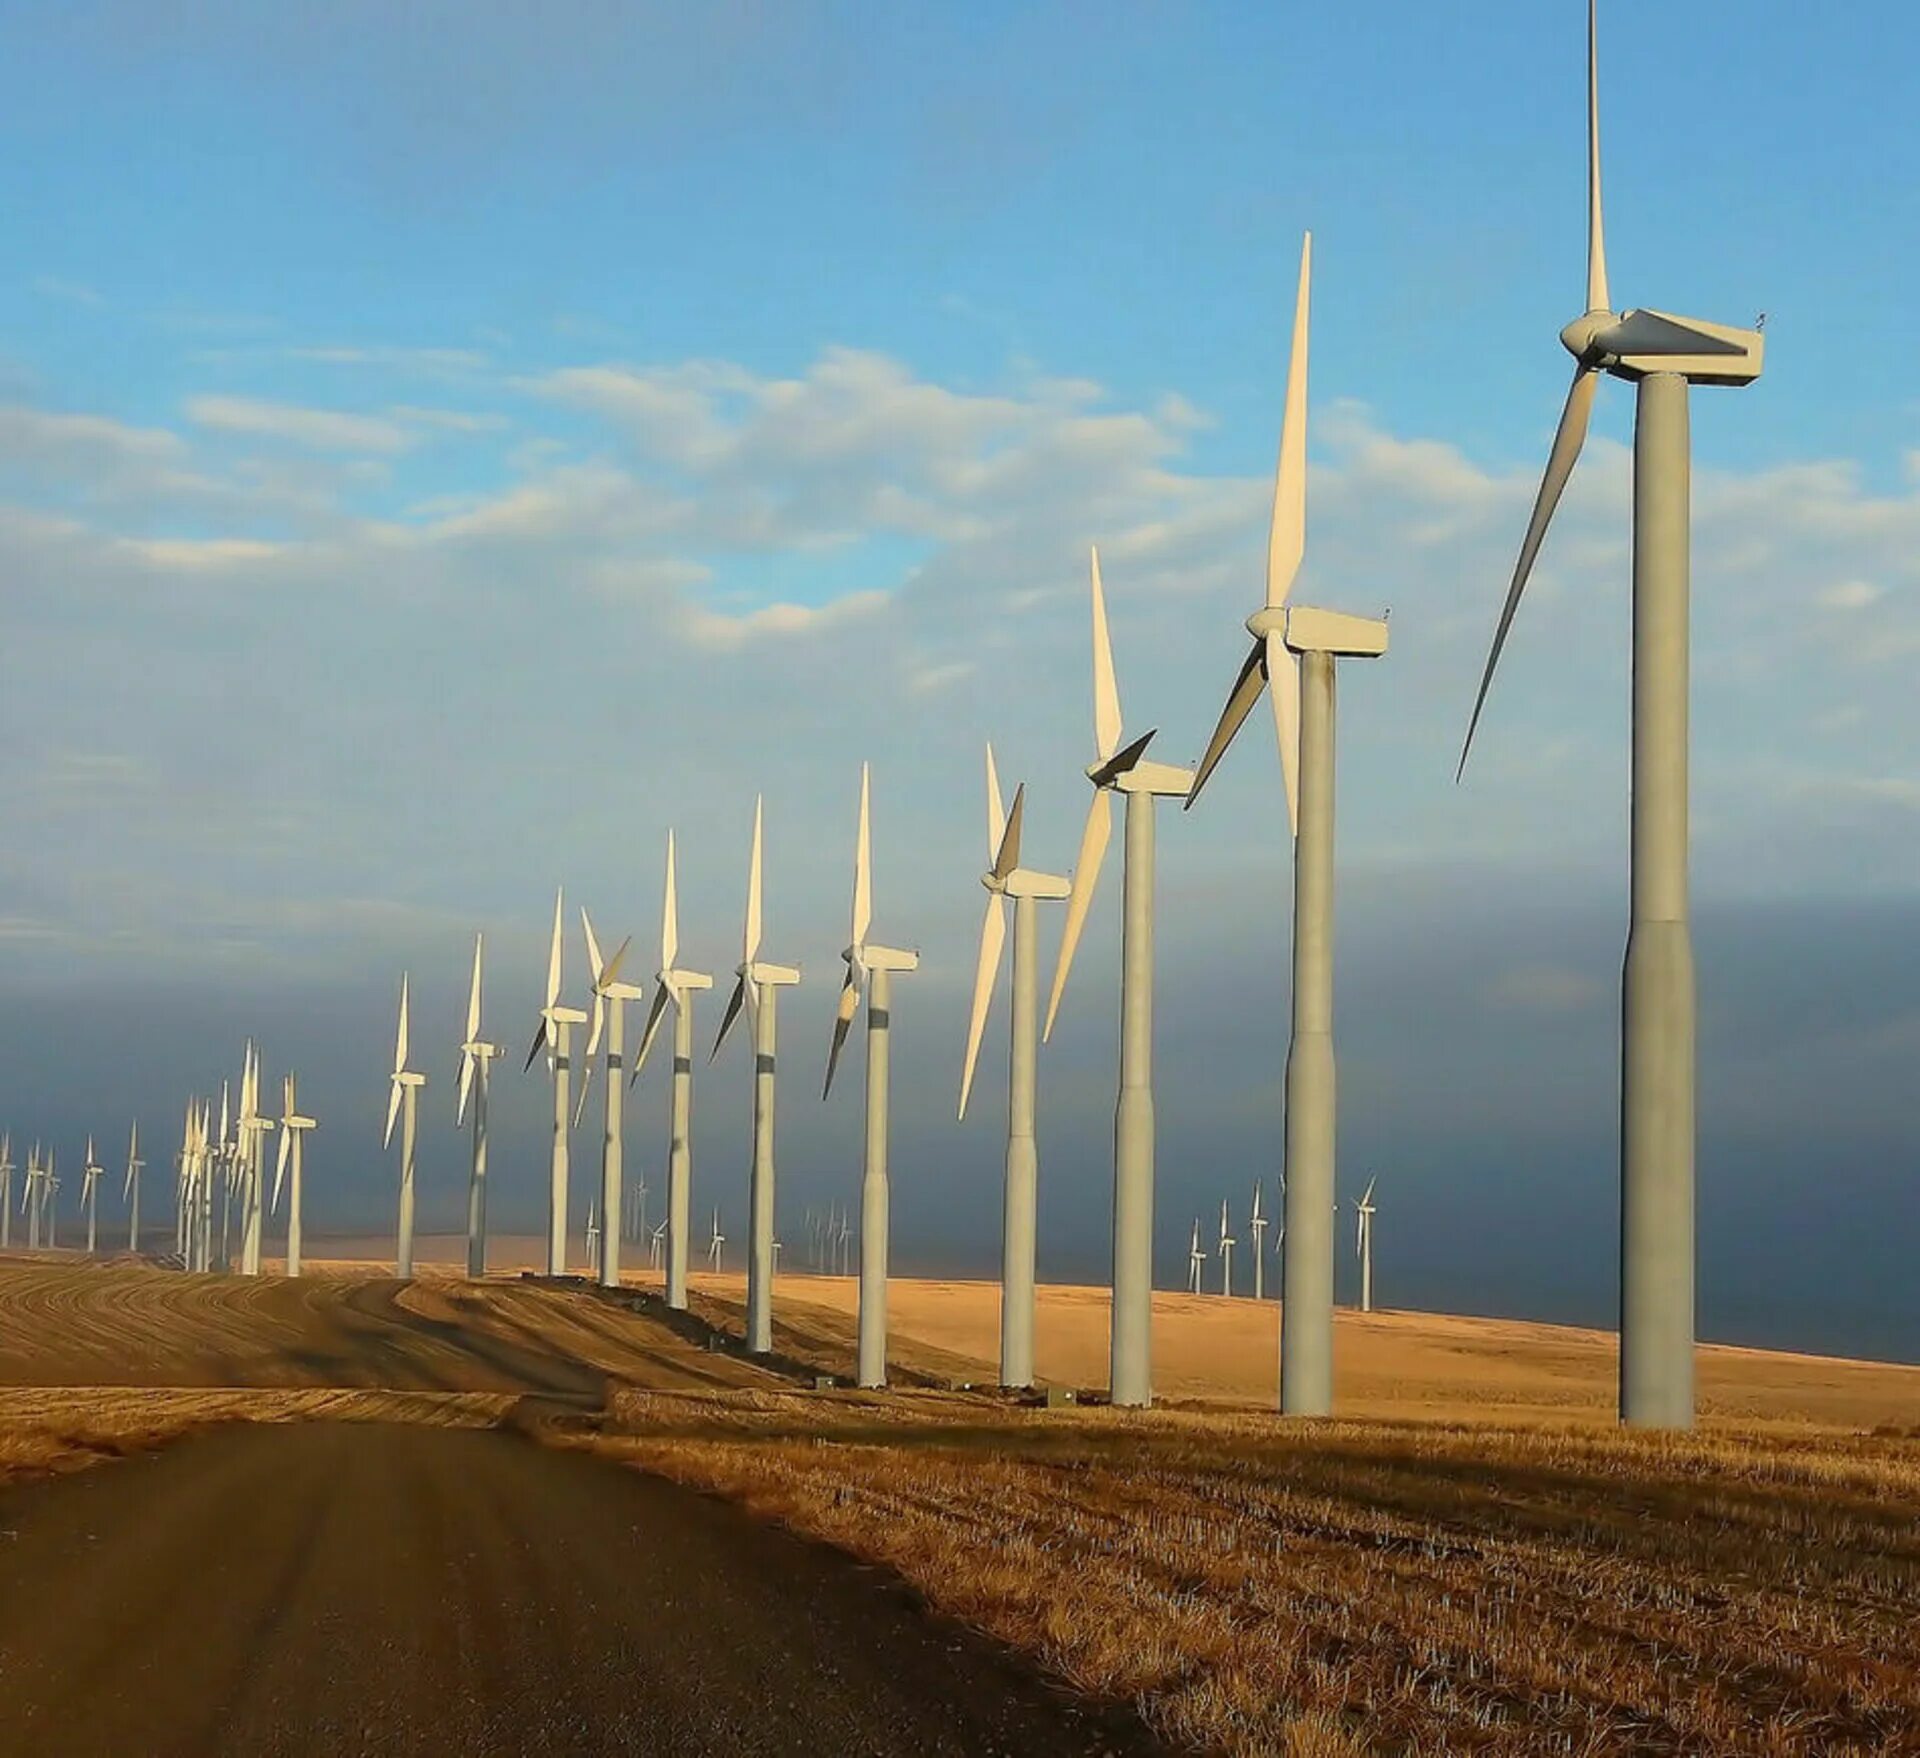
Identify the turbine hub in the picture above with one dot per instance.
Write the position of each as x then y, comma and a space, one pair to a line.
1581, 338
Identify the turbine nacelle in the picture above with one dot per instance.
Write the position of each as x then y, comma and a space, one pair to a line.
768, 975
870, 957
1307, 629
1027, 882
1637, 344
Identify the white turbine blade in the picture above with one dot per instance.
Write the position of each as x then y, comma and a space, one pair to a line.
586, 1081
399, 1042
1240, 700
467, 1060
280, 1165
1368, 1197
863, 860
750, 940
598, 1026
993, 936
1567, 441
1256, 1203
553, 957
996, 813
473, 994
1596, 235
661, 995
670, 914
1283, 678
1009, 855
1287, 537
594, 964
1086, 875
842, 1021
1106, 688
393, 1111
735, 1002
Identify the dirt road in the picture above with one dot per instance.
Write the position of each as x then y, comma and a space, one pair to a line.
349, 1589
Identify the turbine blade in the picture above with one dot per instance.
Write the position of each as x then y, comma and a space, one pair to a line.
863, 861
1596, 235
1368, 1196
1567, 441
539, 1041
1106, 688
553, 957
610, 973
1086, 875
280, 1166
399, 1047
1121, 761
393, 1111
1287, 536
586, 1080
599, 1024
996, 812
1009, 856
473, 994
466, 1086
670, 914
842, 1021
993, 936
1246, 690
661, 995
750, 940
735, 1001
1283, 678
595, 967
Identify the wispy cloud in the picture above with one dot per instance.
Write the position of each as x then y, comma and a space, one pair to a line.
68, 292
326, 430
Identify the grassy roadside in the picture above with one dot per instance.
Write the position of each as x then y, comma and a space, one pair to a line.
1343, 1587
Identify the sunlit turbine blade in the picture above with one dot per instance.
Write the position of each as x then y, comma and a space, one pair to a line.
1567, 441
750, 940
1283, 679
1287, 536
553, 957
735, 1002
280, 1166
1086, 875
863, 860
399, 1044
610, 973
993, 936
473, 994
670, 914
996, 813
661, 996
1009, 855
1368, 1196
1596, 235
586, 1080
594, 966
599, 1024
842, 1021
393, 1111
1106, 688
467, 1060
1240, 700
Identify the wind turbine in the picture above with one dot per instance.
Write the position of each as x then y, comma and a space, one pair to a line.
1227, 1243
476, 1075
1127, 771
293, 1136
1006, 878
870, 972
655, 1245
593, 1230
757, 990
713, 1246
672, 984
254, 1127
1257, 1226
1661, 355
555, 1036
1363, 1212
1294, 650
1196, 1259
50, 1202
30, 1198
610, 998
90, 1197
6, 1191
404, 1097
130, 1193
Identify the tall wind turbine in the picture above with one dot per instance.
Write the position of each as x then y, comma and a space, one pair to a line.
1227, 1243
1006, 878
1257, 1226
757, 990
610, 998
1128, 771
404, 1099
1196, 1259
1363, 1212
6, 1191
1294, 650
713, 1245
255, 1125
130, 1194
1661, 355
555, 1036
870, 973
293, 1137
90, 1197
476, 1075
672, 984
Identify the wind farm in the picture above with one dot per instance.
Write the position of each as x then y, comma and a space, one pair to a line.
869, 399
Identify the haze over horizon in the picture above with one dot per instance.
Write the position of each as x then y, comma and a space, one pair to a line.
439, 452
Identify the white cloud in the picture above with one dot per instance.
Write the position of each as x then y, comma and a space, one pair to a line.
326, 430
1848, 595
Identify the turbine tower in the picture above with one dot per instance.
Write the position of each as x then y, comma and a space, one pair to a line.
1196, 1259
293, 1136
476, 1078
1363, 1212
1128, 771
610, 998
90, 1197
1294, 650
757, 990
1257, 1226
252, 1164
6, 1191
555, 1036
404, 1097
130, 1193
1006, 878
1227, 1243
870, 973
671, 983
1661, 356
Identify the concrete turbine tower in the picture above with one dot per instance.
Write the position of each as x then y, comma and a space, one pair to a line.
673, 984
870, 972
610, 998
1661, 356
1257, 1226
49, 1203
1125, 771
1363, 1213
90, 1198
6, 1191
130, 1192
476, 1058
293, 1137
1196, 1259
756, 989
555, 1035
404, 1098
1294, 649
1006, 878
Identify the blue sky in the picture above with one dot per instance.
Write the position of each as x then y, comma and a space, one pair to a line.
440, 446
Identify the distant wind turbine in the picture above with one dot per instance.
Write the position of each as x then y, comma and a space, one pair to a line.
293, 1138
90, 1198
1196, 1259
1227, 1243
476, 1075
6, 1191
656, 1242
555, 1036
713, 1245
130, 1194
403, 1098
593, 1230
1363, 1213
1257, 1226
610, 998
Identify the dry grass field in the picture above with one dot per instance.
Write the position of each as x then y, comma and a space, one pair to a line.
1473, 1560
